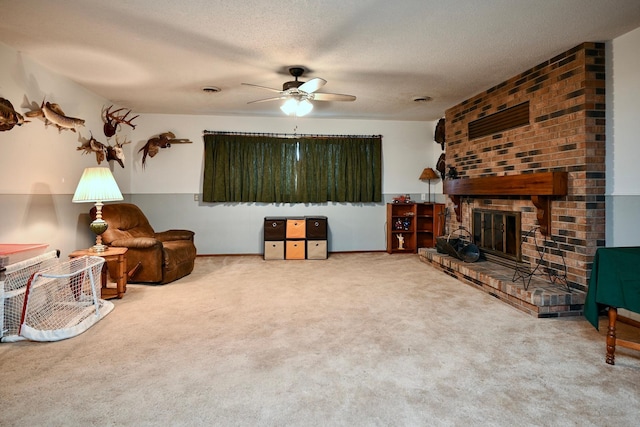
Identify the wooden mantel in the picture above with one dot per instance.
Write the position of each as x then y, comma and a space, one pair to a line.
540, 186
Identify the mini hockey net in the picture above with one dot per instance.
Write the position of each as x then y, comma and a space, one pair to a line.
13, 283
63, 300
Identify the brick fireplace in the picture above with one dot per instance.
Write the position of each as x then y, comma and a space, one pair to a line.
560, 128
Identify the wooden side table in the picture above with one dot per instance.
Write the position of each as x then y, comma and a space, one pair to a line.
116, 263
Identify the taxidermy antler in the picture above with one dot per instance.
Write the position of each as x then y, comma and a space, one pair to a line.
53, 114
116, 152
153, 145
9, 117
103, 151
112, 120
92, 145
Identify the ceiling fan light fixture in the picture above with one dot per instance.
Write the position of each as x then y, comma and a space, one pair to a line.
298, 95
304, 108
296, 108
289, 107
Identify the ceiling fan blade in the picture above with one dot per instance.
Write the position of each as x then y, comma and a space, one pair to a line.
332, 97
262, 87
269, 99
312, 85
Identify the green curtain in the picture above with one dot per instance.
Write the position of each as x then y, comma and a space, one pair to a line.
270, 169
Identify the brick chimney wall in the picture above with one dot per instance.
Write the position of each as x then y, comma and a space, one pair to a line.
566, 132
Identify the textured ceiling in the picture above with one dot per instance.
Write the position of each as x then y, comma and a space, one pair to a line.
154, 56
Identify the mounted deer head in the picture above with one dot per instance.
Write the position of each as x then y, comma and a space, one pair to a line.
116, 152
112, 120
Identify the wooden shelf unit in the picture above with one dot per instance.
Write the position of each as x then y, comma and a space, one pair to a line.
418, 223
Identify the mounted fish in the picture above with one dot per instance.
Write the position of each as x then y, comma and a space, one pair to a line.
53, 114
112, 120
164, 140
9, 117
92, 145
116, 152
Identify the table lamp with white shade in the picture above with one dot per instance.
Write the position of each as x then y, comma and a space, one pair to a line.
97, 185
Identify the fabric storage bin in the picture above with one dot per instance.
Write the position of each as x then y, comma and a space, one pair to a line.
274, 250
296, 228
295, 249
316, 249
316, 227
275, 228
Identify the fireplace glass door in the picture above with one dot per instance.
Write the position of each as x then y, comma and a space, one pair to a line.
497, 232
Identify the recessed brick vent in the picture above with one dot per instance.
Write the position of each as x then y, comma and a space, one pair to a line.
498, 122
565, 98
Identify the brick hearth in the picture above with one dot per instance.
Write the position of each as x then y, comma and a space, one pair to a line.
541, 298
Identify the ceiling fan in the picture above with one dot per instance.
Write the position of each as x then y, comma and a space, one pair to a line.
299, 94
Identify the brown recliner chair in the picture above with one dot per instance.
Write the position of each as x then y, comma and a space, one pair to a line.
151, 257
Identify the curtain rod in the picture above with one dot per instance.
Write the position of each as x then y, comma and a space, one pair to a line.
288, 135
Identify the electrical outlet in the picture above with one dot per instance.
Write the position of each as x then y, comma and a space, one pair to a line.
423, 196
196, 197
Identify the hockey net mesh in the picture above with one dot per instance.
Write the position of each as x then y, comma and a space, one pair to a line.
62, 300
13, 283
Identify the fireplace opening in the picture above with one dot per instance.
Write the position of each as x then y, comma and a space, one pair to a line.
497, 234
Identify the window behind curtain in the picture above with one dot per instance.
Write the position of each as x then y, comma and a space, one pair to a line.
271, 169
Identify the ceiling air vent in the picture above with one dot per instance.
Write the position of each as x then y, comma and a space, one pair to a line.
501, 121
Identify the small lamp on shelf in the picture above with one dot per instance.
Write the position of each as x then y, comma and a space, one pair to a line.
97, 185
427, 175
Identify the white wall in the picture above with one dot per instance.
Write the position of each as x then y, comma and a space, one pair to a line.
408, 147
165, 188
623, 141
40, 168
39, 160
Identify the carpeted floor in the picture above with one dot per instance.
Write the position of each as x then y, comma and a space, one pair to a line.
358, 339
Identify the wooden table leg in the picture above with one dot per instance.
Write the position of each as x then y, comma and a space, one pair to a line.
104, 277
121, 280
611, 336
